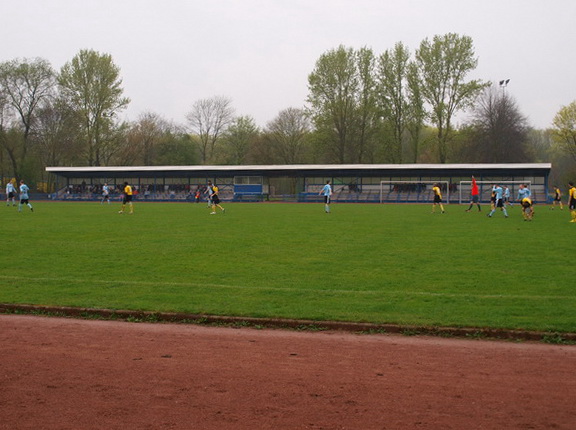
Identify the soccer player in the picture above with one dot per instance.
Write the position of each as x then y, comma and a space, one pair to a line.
437, 198
507, 196
24, 196
105, 194
326, 191
215, 198
209, 191
527, 209
474, 196
557, 198
524, 192
127, 199
493, 198
498, 201
572, 201
10, 194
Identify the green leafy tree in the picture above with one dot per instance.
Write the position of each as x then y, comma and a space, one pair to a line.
392, 74
443, 64
415, 114
366, 110
92, 87
177, 148
333, 92
564, 131
238, 139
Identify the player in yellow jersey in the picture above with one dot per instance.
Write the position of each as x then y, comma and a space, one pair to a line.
527, 208
557, 198
437, 198
572, 200
127, 199
215, 199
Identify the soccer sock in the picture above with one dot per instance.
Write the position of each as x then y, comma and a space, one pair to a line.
441, 207
470, 207
479, 208
327, 208
20, 209
505, 213
491, 212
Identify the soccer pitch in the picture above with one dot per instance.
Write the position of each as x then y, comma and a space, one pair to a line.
362, 262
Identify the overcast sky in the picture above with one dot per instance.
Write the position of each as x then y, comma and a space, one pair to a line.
259, 53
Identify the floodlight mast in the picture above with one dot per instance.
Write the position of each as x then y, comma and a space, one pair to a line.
504, 84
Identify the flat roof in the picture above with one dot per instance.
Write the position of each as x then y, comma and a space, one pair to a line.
301, 169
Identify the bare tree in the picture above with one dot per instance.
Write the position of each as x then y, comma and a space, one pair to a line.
57, 136
208, 119
145, 135
25, 85
287, 135
499, 130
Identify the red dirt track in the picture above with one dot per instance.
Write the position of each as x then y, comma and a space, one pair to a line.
58, 373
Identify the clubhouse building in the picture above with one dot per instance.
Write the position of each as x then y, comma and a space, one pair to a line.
369, 183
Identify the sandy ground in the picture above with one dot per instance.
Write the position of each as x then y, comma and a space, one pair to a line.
58, 373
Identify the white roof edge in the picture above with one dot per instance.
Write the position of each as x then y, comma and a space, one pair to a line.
302, 167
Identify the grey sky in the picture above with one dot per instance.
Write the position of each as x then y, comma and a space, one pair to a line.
259, 53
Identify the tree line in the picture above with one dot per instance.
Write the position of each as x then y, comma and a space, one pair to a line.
362, 107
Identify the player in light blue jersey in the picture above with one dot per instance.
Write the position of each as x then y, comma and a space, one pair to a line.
525, 198
524, 192
10, 194
24, 196
105, 194
499, 201
326, 191
507, 201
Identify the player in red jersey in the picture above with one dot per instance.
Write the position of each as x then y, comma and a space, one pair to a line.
475, 196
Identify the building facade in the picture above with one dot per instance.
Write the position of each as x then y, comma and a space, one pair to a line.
351, 182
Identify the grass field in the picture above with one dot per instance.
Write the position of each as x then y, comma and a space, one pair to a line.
363, 262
